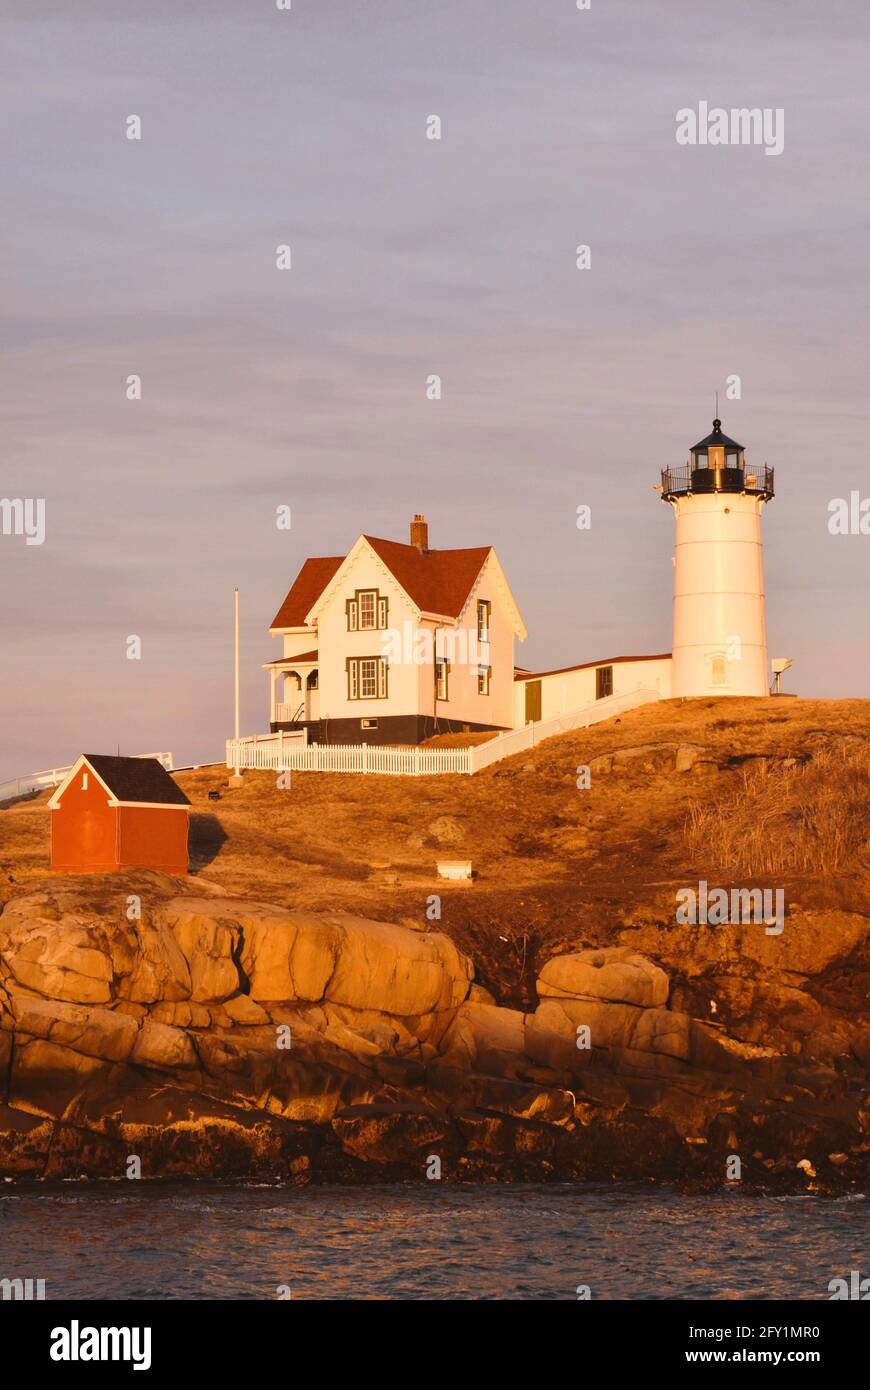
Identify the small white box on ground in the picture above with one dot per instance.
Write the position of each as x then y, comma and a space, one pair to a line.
454, 868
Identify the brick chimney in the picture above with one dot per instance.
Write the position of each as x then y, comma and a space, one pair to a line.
420, 533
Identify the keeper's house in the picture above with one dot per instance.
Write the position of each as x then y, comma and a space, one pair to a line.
393, 643
118, 813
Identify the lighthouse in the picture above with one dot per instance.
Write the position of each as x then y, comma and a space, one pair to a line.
720, 639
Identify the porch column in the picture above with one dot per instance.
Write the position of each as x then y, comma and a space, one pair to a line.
273, 676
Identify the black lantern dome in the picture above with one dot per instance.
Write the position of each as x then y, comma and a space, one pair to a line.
713, 444
717, 464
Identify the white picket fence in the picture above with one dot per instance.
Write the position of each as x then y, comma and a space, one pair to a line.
288, 751
518, 740
52, 777
269, 751
294, 755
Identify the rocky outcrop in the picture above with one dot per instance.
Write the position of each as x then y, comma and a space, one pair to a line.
615, 973
213, 1036
646, 759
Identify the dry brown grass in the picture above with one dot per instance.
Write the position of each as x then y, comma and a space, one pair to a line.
558, 866
789, 817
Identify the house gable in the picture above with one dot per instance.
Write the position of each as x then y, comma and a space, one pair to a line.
342, 585
354, 682
493, 576
72, 779
438, 583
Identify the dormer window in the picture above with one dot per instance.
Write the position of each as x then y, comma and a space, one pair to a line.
366, 611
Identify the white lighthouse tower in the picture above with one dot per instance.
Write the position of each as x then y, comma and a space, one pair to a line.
720, 639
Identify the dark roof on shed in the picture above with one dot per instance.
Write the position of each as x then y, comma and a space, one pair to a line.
137, 779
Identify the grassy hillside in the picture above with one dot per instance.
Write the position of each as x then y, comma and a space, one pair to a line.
777, 794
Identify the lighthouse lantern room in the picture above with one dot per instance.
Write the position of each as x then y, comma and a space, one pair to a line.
720, 639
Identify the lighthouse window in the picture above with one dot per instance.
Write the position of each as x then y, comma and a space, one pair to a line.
718, 670
603, 682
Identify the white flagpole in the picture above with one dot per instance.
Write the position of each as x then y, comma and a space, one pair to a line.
236, 616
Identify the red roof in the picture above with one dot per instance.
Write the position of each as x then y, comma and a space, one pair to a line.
438, 581
306, 589
584, 666
301, 657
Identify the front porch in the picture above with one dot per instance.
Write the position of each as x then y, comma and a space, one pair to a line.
294, 697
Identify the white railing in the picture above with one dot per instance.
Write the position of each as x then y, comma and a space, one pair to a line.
288, 714
37, 781
266, 751
518, 740
288, 751
293, 755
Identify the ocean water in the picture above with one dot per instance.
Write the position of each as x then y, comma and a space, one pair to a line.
512, 1242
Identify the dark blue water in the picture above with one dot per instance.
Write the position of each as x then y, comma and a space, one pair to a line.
110, 1242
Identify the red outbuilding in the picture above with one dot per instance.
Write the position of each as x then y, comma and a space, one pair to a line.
118, 813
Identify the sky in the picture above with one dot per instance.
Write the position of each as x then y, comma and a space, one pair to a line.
263, 388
